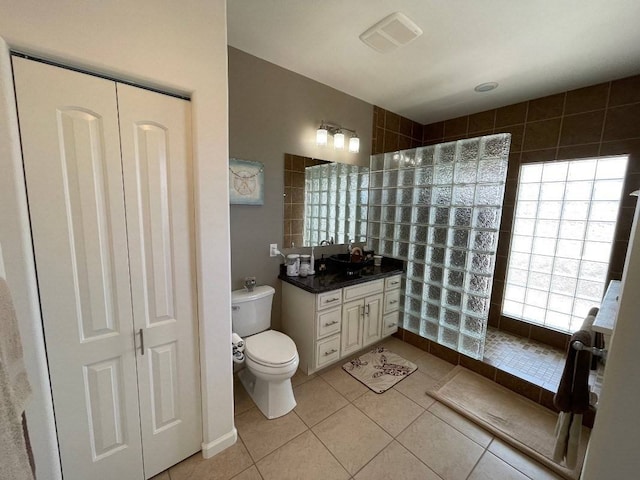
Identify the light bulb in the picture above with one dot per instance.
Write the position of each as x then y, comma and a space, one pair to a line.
322, 135
338, 141
354, 144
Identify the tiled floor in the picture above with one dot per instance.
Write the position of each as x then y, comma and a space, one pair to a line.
342, 430
536, 362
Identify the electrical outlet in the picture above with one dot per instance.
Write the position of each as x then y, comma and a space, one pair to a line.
273, 250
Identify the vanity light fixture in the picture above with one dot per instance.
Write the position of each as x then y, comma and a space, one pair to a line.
322, 135
354, 144
337, 132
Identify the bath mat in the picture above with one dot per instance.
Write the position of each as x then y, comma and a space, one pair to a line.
520, 422
379, 369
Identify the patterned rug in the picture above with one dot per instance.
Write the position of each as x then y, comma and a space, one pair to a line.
379, 369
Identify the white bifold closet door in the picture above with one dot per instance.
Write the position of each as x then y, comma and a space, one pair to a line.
109, 185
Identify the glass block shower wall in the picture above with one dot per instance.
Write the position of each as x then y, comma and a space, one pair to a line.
439, 208
335, 203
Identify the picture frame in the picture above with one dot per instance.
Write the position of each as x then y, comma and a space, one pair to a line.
246, 182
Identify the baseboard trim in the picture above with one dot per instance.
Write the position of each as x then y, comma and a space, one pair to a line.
219, 444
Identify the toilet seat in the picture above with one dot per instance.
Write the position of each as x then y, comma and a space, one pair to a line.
271, 349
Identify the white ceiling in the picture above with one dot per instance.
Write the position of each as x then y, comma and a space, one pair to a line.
532, 48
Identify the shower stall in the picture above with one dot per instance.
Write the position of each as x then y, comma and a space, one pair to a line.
439, 208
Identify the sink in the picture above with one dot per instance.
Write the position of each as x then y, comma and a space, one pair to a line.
343, 261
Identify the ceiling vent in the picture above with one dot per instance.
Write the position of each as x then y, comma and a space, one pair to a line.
391, 32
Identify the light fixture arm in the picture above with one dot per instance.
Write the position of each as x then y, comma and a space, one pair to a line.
334, 128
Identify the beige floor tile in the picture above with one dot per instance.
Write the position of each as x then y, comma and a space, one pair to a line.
223, 466
462, 424
403, 349
250, 473
300, 377
302, 458
398, 463
441, 447
353, 438
491, 467
521, 462
344, 383
262, 436
317, 400
241, 399
433, 366
391, 410
415, 387
161, 476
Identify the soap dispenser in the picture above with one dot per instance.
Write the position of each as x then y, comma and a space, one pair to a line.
322, 264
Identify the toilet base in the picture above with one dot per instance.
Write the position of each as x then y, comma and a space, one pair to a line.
273, 398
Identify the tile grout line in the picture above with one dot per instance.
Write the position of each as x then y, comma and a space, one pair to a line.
327, 447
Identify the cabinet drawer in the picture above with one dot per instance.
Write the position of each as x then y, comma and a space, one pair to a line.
391, 283
328, 322
363, 289
391, 301
327, 351
329, 299
390, 323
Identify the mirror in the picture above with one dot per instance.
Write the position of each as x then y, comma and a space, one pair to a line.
323, 201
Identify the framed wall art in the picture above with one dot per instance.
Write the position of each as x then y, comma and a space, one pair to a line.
246, 182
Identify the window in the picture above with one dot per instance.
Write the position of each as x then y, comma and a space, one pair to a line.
563, 231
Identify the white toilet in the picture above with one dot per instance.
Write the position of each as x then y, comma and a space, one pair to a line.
271, 357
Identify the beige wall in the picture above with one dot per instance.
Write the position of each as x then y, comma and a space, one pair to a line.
156, 43
273, 111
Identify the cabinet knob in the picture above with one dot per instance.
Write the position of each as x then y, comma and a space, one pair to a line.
330, 300
393, 301
328, 324
330, 352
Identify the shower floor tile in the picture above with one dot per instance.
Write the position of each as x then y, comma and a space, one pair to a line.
536, 362
528, 359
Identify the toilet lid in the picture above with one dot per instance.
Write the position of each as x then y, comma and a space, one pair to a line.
270, 348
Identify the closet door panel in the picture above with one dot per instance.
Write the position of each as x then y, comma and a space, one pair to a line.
71, 151
156, 155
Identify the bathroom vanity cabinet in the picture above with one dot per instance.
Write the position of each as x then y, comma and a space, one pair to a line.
332, 325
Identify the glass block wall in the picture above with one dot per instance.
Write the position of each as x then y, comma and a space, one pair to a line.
335, 203
439, 209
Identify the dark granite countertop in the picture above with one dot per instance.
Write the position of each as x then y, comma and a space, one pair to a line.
333, 280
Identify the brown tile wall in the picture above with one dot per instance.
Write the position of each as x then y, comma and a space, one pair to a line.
294, 166
594, 121
391, 132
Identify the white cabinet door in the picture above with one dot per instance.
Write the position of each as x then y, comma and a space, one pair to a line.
390, 323
156, 158
351, 334
372, 319
71, 150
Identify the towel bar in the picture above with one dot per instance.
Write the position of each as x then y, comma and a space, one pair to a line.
598, 352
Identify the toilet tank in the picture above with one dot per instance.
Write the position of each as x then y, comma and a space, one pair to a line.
251, 311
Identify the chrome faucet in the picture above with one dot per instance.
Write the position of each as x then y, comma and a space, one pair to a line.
325, 242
